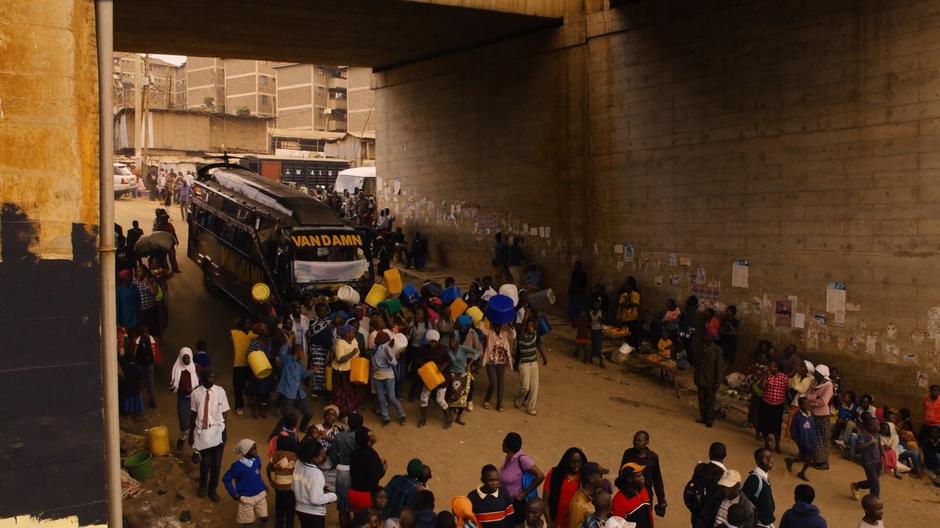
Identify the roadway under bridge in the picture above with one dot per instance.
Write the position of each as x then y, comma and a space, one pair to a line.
660, 139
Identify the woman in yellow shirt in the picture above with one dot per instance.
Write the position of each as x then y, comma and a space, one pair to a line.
346, 395
629, 313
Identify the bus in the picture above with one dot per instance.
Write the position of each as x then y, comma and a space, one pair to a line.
245, 229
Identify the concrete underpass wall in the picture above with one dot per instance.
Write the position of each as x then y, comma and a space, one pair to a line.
51, 421
802, 137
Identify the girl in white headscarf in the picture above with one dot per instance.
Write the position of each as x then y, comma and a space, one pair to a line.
183, 380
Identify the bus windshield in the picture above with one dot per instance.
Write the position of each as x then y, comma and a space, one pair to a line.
316, 262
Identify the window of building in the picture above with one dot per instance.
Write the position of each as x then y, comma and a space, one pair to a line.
319, 71
263, 81
265, 100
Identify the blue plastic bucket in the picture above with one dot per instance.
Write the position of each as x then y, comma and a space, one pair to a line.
500, 310
544, 326
449, 295
409, 294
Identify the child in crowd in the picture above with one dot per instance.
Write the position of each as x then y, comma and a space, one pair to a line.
803, 432
244, 484
874, 512
582, 338
201, 358
281, 476
871, 452
848, 412
890, 442
132, 403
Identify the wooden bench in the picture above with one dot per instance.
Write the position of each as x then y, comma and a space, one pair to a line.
642, 362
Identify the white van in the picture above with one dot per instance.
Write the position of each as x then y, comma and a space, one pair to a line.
356, 178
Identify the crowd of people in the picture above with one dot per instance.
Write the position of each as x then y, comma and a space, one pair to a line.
312, 345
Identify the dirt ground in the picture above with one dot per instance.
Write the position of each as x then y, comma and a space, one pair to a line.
596, 410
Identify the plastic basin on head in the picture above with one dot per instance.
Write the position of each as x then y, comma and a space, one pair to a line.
501, 310
544, 327
511, 291
476, 314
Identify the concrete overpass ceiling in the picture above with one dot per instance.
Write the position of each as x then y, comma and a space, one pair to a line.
380, 34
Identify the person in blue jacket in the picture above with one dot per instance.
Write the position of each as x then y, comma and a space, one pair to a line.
803, 514
803, 432
244, 483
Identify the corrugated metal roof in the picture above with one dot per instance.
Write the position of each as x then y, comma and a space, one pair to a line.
307, 134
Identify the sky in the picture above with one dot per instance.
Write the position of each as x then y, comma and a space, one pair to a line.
174, 59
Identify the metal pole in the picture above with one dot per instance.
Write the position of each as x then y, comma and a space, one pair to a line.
104, 16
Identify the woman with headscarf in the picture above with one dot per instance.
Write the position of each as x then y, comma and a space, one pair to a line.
561, 483
325, 433
320, 338
459, 379
183, 380
346, 395
819, 397
128, 302
800, 383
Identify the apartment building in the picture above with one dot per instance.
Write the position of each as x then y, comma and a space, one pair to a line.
250, 87
205, 84
311, 97
160, 77
360, 113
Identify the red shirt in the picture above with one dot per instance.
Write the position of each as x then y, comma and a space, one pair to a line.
931, 412
568, 489
775, 388
634, 509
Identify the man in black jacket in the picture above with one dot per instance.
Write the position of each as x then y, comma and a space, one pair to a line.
705, 477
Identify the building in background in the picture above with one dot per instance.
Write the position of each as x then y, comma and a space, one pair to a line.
161, 78
192, 133
205, 84
311, 97
360, 111
250, 87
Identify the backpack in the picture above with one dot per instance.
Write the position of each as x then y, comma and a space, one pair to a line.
696, 491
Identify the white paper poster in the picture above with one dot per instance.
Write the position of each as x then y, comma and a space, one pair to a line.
799, 320
835, 298
685, 261
548, 232
672, 259
628, 252
618, 248
534, 231
739, 271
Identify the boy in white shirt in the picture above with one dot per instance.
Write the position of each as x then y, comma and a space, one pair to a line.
874, 512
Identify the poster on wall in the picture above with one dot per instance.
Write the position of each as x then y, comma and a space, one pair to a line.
628, 252
799, 320
739, 274
922, 380
835, 297
783, 313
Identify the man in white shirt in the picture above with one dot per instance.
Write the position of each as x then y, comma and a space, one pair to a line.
207, 431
